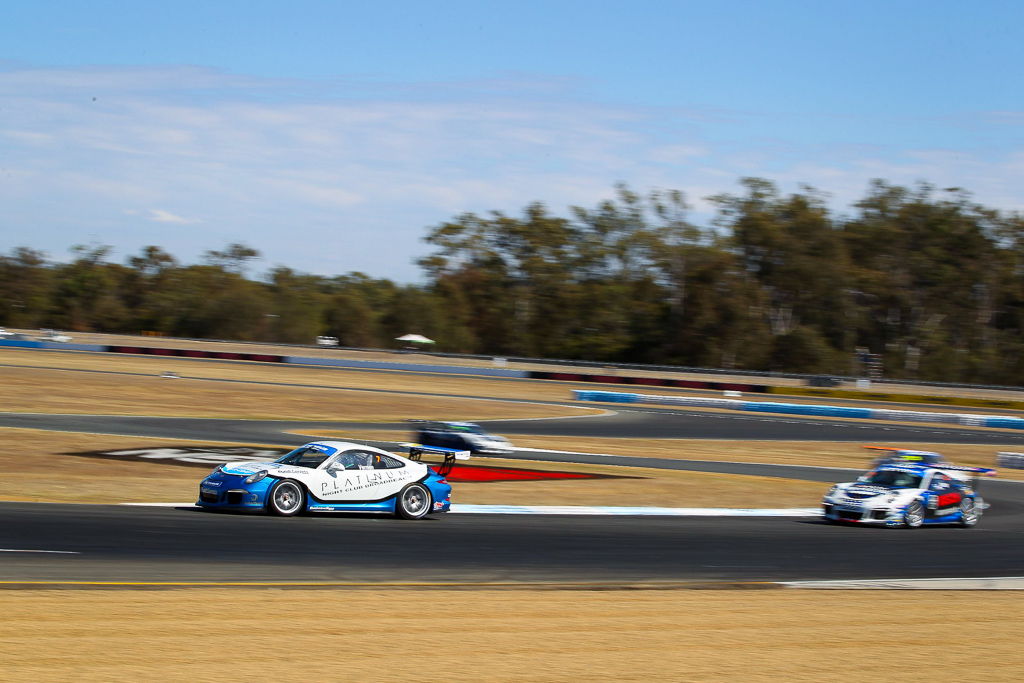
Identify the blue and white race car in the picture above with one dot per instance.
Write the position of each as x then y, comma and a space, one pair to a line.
461, 435
334, 476
908, 494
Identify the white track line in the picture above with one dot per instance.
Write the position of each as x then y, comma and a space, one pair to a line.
55, 552
598, 510
634, 511
986, 583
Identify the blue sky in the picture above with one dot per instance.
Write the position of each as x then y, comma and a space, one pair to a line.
330, 136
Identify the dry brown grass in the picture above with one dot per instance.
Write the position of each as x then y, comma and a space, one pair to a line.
427, 358
488, 635
63, 390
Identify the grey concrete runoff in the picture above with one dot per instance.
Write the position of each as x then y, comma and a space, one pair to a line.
997, 583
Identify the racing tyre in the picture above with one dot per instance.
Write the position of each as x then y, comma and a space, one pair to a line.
969, 512
413, 502
913, 515
286, 498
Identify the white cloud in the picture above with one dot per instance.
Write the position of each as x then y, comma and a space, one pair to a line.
161, 216
354, 180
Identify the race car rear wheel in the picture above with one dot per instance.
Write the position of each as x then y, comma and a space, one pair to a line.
413, 502
968, 512
286, 498
913, 515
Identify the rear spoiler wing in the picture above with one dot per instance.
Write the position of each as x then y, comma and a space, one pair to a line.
985, 471
417, 451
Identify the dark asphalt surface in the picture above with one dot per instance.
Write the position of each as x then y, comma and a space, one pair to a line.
181, 544
624, 422
112, 543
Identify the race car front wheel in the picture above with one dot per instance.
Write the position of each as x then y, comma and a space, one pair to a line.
413, 502
286, 498
913, 515
968, 512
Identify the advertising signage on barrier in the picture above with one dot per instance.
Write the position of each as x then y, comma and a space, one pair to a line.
193, 353
649, 381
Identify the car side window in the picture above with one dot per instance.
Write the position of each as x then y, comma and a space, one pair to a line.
940, 482
356, 460
386, 462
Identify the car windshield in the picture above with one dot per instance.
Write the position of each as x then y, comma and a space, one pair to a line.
471, 429
897, 479
305, 456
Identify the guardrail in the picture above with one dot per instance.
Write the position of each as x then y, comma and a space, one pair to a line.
735, 372
998, 421
604, 378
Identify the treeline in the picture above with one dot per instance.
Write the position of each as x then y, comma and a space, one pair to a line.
929, 280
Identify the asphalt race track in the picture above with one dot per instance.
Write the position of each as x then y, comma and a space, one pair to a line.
168, 544
163, 544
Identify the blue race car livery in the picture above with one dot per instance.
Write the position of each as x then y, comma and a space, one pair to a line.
908, 494
333, 476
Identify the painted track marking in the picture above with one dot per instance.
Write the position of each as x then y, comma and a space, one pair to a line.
458, 508
54, 552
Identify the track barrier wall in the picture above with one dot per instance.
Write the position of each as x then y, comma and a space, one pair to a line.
998, 421
413, 367
191, 353
648, 381
898, 398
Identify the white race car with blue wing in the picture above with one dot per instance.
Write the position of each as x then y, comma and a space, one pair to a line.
909, 494
460, 435
334, 476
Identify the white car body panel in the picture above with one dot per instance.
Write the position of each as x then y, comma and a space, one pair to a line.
330, 482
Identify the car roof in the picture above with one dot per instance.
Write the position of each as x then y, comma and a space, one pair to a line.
905, 467
347, 446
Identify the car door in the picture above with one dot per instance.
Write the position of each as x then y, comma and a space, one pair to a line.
357, 475
945, 494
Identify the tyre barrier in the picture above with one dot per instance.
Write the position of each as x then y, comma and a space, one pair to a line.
997, 421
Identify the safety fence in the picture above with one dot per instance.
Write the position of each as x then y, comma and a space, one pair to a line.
999, 421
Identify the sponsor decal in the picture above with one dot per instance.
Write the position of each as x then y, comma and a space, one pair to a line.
946, 499
358, 480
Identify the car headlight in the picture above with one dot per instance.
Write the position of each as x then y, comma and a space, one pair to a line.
832, 491
216, 470
255, 477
